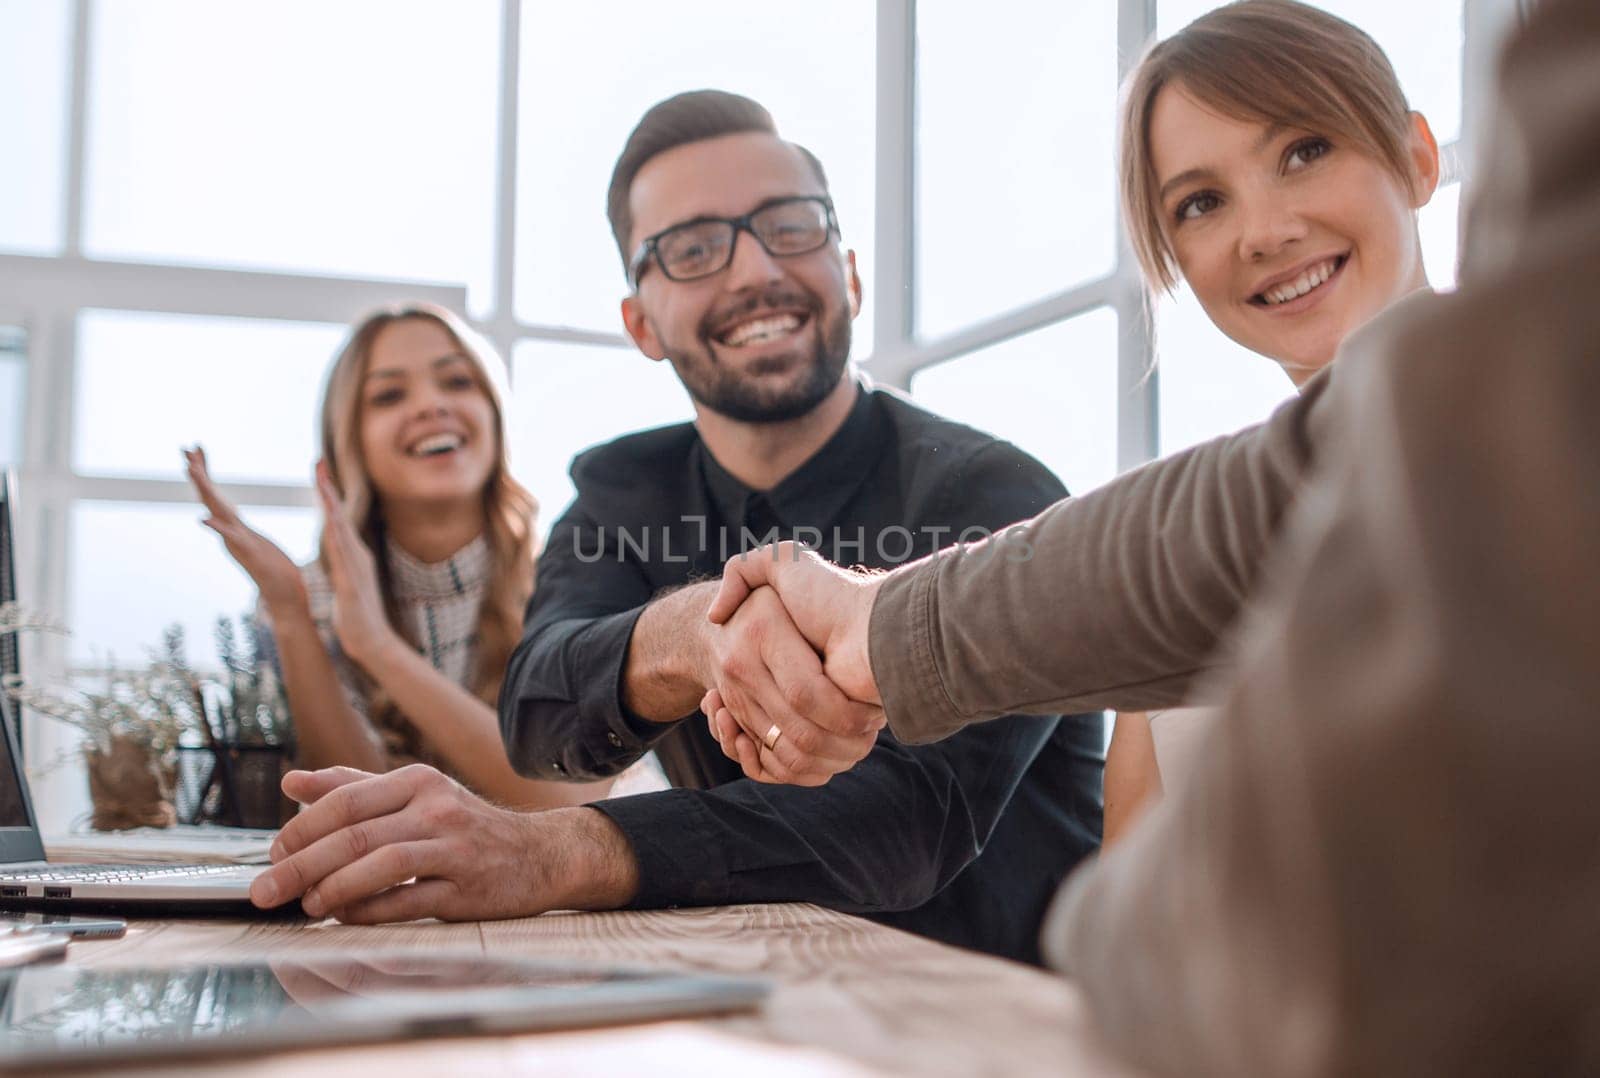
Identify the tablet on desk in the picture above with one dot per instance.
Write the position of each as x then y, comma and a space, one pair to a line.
70, 1015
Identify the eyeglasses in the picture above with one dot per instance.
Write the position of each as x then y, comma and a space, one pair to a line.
699, 248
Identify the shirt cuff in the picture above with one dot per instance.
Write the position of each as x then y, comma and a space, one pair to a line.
670, 833
900, 647
609, 737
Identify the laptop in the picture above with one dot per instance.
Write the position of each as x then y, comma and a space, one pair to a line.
27, 880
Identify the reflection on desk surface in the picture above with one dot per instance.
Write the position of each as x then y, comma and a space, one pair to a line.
59, 1013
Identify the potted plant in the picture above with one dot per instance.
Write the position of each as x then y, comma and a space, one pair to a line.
232, 731
248, 727
131, 721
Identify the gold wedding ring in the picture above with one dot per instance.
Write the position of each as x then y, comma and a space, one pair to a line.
771, 740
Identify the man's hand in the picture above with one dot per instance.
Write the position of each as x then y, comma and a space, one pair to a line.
760, 666
414, 843
832, 609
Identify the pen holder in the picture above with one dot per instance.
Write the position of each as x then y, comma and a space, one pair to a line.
256, 774
235, 785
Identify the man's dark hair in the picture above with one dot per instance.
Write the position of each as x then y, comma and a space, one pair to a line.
693, 116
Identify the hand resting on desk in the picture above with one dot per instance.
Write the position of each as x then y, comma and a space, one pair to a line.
414, 843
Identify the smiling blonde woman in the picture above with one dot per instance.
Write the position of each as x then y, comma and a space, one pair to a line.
394, 641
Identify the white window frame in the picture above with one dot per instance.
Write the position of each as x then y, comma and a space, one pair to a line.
898, 354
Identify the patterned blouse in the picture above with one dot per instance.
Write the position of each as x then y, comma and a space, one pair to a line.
438, 606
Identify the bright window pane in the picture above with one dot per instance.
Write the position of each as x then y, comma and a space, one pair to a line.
1422, 38
567, 397
589, 71
247, 390
34, 36
355, 138
136, 569
13, 393
1439, 223
1209, 385
1052, 392
1015, 111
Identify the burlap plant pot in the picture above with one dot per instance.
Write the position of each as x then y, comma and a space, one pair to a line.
130, 784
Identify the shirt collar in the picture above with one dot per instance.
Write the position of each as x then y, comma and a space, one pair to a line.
461, 573
815, 493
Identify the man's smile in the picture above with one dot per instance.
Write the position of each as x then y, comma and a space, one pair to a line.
761, 329
765, 321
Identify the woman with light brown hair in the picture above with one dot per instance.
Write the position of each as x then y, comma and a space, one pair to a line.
1269, 159
394, 642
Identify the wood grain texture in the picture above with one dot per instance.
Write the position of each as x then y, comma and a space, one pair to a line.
851, 997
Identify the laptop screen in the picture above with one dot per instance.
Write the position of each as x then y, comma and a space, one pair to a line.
13, 813
10, 658
19, 836
8, 570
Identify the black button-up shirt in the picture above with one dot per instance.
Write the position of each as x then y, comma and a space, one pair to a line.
964, 841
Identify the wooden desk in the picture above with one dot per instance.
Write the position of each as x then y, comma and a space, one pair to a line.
851, 998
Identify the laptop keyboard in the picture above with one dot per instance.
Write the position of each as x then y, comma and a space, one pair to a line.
119, 873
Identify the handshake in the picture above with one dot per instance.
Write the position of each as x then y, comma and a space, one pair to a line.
793, 697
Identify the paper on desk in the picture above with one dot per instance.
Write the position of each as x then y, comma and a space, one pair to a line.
157, 845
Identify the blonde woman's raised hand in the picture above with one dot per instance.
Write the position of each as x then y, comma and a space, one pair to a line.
276, 577
359, 619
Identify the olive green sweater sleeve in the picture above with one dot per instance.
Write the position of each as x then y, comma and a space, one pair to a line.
1115, 599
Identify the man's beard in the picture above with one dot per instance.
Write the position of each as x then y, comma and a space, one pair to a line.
739, 394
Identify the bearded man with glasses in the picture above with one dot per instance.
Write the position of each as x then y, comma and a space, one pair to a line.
738, 279
702, 248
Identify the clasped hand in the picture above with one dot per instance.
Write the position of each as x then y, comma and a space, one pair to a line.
804, 706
